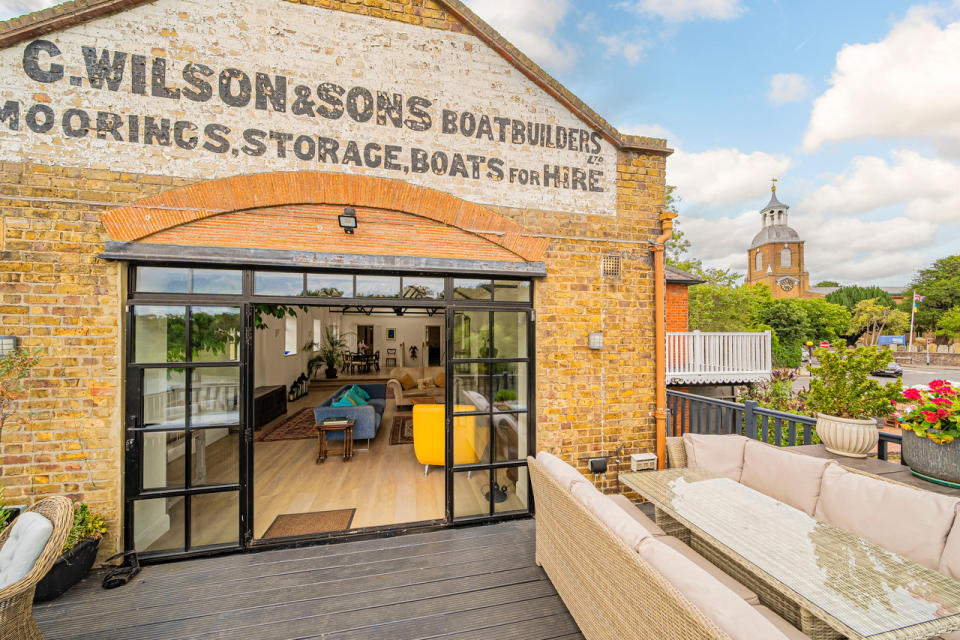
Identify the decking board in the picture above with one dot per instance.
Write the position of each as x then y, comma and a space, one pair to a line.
456, 584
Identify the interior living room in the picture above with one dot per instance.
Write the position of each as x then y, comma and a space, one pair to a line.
392, 361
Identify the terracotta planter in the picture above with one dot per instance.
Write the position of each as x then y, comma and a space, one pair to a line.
932, 460
847, 436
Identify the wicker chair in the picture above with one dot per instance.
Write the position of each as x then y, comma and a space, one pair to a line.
16, 600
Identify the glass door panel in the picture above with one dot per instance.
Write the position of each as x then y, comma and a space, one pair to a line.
492, 386
184, 427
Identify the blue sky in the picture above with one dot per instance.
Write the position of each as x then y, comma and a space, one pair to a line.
854, 106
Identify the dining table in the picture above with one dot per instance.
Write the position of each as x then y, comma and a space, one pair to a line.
826, 581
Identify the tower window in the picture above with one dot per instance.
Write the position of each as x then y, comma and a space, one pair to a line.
786, 258
759, 265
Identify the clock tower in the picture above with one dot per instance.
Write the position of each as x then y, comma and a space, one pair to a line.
775, 257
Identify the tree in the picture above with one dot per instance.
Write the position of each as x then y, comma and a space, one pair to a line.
869, 316
789, 319
15, 368
949, 323
677, 250
715, 307
851, 295
828, 321
827, 283
940, 287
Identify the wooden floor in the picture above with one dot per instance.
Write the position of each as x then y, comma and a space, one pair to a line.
460, 584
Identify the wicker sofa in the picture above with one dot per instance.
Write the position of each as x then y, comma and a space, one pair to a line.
621, 577
919, 525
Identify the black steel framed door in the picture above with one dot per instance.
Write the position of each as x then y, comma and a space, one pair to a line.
490, 410
185, 424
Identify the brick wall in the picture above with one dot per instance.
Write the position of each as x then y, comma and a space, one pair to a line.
677, 309
56, 295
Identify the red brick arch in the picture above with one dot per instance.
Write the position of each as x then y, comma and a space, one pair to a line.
173, 208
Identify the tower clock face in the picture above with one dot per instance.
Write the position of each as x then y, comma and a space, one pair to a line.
786, 284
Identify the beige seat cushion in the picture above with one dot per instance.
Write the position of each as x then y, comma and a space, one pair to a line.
742, 592
609, 513
726, 609
950, 560
624, 503
911, 522
782, 625
719, 454
791, 478
565, 475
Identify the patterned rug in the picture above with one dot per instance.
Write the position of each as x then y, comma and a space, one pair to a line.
298, 524
299, 426
402, 431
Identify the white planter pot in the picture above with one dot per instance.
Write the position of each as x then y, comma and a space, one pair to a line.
846, 436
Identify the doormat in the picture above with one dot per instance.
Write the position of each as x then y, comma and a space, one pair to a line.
402, 431
300, 524
299, 426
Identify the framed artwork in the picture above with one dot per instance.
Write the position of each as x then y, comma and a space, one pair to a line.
391, 334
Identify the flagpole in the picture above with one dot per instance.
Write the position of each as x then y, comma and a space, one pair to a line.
913, 310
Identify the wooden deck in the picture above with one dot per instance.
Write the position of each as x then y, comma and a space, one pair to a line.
459, 584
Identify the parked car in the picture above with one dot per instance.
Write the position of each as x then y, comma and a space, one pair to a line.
892, 370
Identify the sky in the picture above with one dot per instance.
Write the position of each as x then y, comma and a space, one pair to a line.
853, 106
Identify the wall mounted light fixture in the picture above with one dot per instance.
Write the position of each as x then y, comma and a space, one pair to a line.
348, 220
595, 340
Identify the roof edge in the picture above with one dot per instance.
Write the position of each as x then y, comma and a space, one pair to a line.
76, 12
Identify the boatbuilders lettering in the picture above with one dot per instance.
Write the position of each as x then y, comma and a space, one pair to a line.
317, 101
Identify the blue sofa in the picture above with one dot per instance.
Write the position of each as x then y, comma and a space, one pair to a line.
367, 418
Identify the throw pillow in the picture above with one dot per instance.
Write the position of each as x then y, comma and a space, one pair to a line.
407, 382
343, 401
425, 383
356, 398
439, 380
360, 391
29, 534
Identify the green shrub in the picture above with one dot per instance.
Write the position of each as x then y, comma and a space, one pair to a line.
841, 385
505, 395
86, 525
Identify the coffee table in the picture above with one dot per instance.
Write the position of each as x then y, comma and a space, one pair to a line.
422, 400
825, 581
323, 429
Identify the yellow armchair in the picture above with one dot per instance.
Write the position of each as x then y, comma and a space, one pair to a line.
428, 436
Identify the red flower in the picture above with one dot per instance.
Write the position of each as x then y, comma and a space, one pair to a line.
911, 394
930, 416
942, 412
940, 402
936, 384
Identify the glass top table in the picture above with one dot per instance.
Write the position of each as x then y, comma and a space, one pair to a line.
856, 587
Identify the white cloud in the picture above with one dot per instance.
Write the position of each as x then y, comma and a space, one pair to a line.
531, 25
906, 85
648, 130
632, 47
724, 177
788, 87
683, 10
15, 8
927, 187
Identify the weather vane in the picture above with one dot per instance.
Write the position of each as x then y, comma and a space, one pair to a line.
773, 187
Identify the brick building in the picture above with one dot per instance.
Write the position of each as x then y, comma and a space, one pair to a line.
775, 257
169, 168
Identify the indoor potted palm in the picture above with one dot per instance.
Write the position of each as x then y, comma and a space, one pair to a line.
330, 353
931, 427
76, 557
847, 400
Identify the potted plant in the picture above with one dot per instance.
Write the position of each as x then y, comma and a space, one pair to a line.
847, 400
931, 427
330, 353
76, 557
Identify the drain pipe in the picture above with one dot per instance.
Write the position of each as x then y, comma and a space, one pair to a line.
660, 332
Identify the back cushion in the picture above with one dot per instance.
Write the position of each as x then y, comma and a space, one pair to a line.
565, 475
907, 521
791, 478
623, 526
29, 534
721, 605
950, 560
719, 454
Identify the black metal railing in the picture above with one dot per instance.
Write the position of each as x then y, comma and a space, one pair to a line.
699, 414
